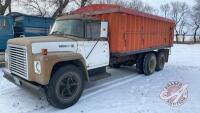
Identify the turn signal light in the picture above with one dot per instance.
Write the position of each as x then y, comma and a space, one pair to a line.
44, 51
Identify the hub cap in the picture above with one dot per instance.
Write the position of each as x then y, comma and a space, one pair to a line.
152, 65
67, 86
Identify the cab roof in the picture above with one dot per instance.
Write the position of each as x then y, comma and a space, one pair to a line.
76, 16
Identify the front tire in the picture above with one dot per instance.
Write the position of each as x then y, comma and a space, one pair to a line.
149, 64
65, 87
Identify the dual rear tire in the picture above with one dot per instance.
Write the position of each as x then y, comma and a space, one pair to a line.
149, 63
160, 61
139, 64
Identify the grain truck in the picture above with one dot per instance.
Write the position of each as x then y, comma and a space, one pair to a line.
88, 39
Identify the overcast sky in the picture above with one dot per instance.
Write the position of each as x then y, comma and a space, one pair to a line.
157, 3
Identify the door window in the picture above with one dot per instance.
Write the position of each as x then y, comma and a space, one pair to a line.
93, 30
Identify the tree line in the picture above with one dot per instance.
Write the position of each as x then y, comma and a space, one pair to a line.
187, 18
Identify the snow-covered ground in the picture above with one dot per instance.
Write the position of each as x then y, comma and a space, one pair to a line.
124, 92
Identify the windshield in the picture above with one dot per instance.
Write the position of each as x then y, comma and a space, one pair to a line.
68, 27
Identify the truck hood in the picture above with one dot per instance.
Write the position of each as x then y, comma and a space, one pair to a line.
51, 43
29, 40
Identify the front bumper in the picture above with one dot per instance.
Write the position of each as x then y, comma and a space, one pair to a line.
21, 82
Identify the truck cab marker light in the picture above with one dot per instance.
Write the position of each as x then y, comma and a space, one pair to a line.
44, 51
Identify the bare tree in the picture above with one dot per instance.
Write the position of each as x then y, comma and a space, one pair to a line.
196, 25
136, 5
140, 6
196, 18
61, 5
106, 1
4, 4
184, 28
36, 7
132, 4
82, 3
165, 8
178, 12
149, 9
50, 8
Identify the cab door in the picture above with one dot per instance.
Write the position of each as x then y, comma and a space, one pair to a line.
96, 47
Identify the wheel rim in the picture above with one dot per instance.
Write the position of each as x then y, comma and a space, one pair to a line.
152, 65
68, 87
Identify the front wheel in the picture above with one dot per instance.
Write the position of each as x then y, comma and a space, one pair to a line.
65, 87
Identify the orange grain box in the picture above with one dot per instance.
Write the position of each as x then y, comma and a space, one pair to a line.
130, 30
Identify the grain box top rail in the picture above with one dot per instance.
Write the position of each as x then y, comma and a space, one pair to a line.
96, 9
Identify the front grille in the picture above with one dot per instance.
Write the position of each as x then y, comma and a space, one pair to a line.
18, 63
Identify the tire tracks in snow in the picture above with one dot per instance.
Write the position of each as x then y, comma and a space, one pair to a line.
9, 91
99, 89
107, 86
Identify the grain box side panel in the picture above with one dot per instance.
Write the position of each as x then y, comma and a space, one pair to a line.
165, 33
121, 28
152, 33
138, 33
163, 42
146, 32
133, 35
129, 33
113, 31
114, 37
132, 30
133, 45
159, 33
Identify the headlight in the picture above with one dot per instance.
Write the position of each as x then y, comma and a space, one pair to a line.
37, 67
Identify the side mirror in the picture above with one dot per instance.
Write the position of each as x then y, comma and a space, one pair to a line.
104, 30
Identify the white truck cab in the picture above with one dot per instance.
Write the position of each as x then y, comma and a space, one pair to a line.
60, 62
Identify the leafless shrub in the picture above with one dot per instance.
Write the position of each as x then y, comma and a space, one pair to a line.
4, 4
